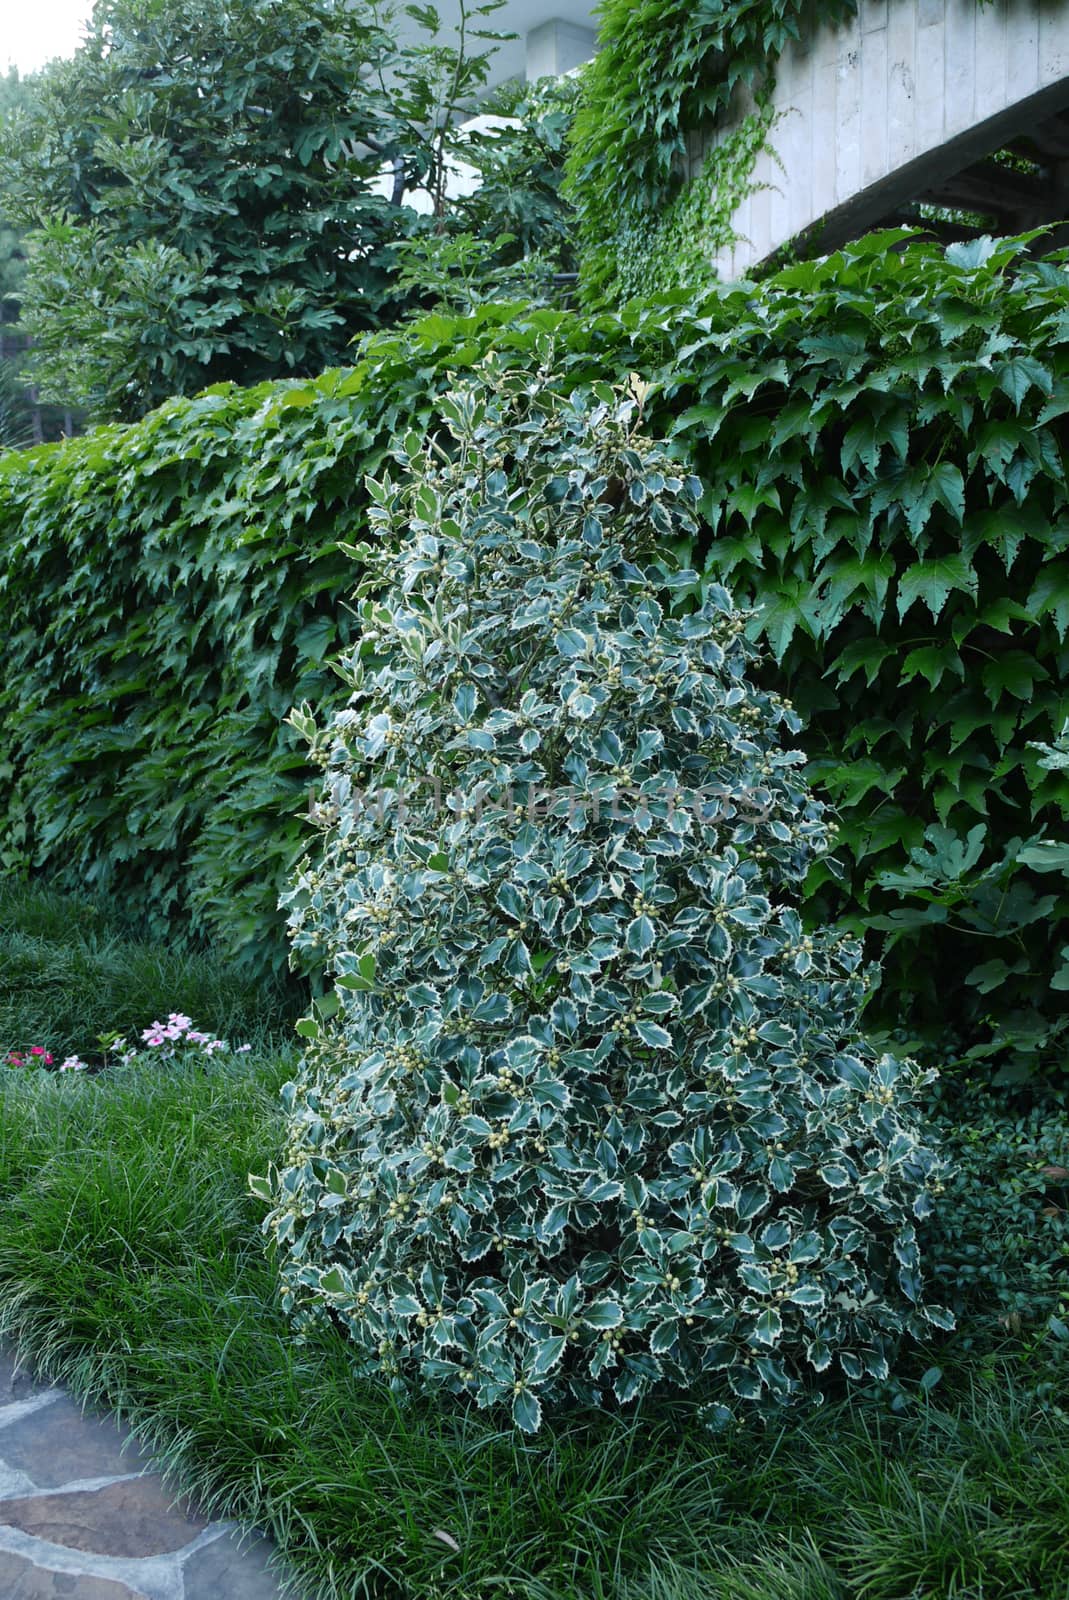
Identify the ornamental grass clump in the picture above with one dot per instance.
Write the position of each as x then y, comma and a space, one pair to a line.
593, 1112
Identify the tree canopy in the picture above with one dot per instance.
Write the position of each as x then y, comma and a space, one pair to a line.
200, 182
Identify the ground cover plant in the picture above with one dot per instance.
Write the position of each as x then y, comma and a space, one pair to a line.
72, 973
132, 1265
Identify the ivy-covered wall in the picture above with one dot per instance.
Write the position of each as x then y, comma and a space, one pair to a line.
688, 110
170, 590
664, 71
880, 440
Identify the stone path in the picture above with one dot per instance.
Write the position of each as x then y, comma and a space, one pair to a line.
83, 1516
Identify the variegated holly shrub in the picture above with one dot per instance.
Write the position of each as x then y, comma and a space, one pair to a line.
593, 1111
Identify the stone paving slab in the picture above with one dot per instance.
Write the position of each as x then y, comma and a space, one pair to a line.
83, 1516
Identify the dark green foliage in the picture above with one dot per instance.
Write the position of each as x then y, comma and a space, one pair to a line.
170, 591
520, 170
663, 71
167, 584
880, 438
513, 234
596, 1112
16, 425
998, 1243
15, 421
199, 176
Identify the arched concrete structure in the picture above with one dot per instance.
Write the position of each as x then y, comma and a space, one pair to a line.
904, 103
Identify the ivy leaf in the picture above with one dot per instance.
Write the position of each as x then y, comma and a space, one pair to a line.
948, 486
1020, 374
1014, 673
1050, 595
933, 582
777, 617
932, 661
861, 655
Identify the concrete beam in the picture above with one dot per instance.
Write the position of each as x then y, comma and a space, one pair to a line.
556, 47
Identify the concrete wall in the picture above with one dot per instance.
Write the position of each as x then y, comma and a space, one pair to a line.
872, 113
550, 36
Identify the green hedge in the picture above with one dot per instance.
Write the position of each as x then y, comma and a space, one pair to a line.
881, 437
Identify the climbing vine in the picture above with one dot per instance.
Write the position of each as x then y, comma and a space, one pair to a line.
658, 255
664, 71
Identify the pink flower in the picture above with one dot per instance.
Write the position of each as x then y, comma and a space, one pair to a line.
197, 1038
72, 1064
13, 1060
177, 1020
37, 1049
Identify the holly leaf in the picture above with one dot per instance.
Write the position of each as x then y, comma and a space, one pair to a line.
768, 1328
653, 1034
526, 1411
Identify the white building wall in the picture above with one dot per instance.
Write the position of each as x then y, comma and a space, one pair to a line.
871, 112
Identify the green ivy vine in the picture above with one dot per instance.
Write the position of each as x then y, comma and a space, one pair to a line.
664, 71
658, 256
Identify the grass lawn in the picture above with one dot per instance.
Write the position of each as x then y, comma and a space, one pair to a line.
132, 1267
